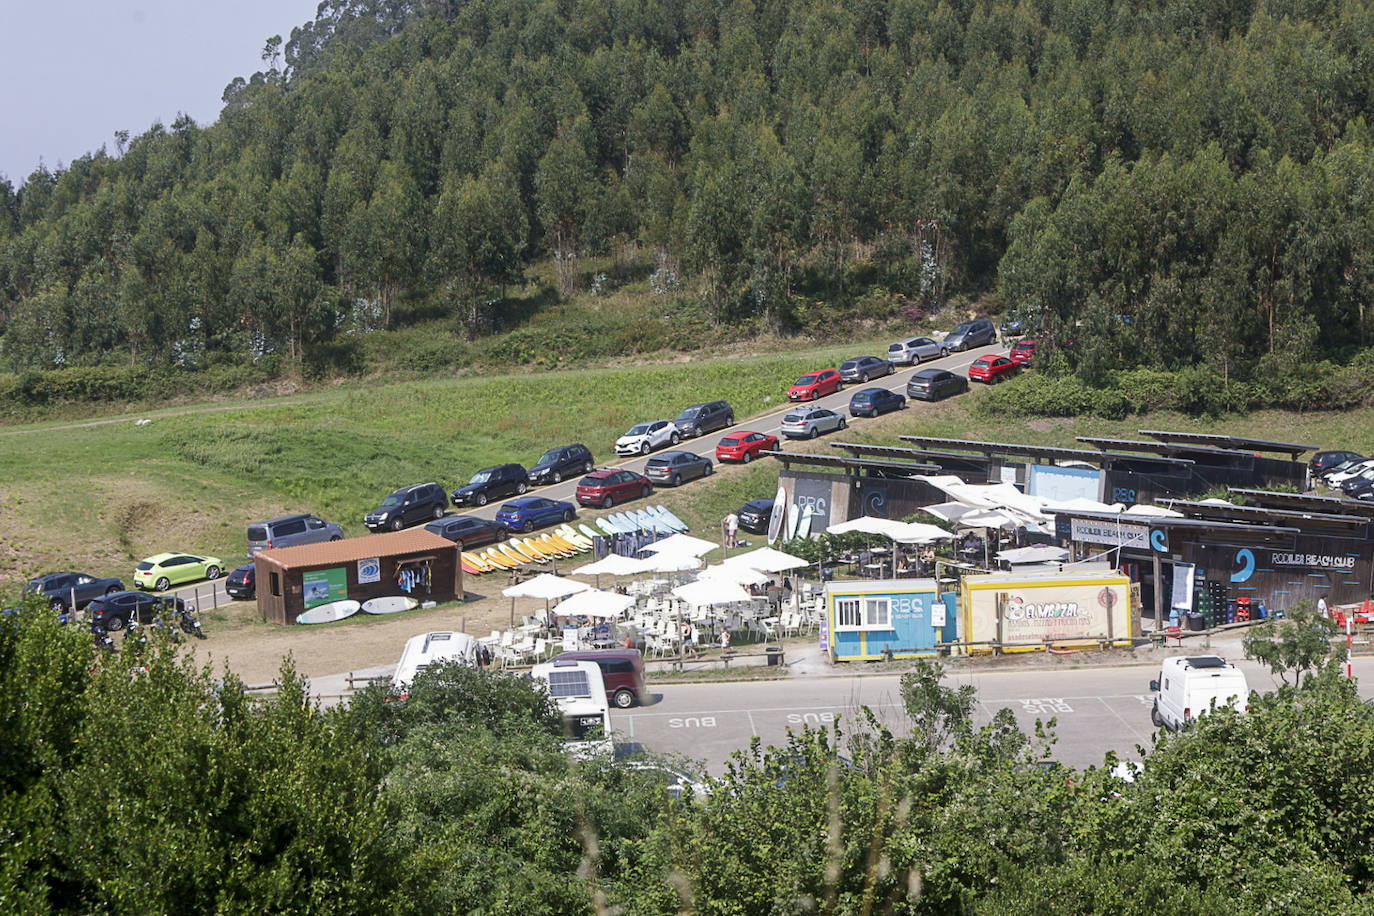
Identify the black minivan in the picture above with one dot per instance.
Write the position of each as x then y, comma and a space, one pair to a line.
407, 506
492, 483
558, 463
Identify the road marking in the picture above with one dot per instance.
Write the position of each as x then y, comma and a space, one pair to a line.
692, 722
1041, 706
753, 729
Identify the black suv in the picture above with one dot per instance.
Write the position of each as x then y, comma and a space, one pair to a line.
558, 463
702, 418
114, 611
754, 515
57, 588
407, 506
492, 483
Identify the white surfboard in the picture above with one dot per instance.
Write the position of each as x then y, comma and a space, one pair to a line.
776, 519
804, 526
390, 604
328, 613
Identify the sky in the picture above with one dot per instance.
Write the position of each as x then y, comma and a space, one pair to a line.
76, 71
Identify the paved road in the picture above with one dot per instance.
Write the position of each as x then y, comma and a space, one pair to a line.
1098, 709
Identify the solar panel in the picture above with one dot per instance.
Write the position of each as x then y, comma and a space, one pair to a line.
1231, 442
1206, 661
569, 684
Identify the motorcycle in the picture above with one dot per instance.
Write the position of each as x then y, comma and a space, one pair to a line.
189, 623
103, 639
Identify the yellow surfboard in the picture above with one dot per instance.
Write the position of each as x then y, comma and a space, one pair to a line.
534, 546
499, 559
475, 561
530, 555
519, 559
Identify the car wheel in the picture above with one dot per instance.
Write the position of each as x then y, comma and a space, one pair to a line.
528, 526
1155, 717
863, 379
748, 457
587, 467
644, 448
557, 477
675, 438
114, 624
644, 493
111, 590
438, 512
843, 423
707, 472
56, 604
607, 502
480, 499
624, 698
212, 572
729, 419
814, 433
397, 524
162, 584
521, 487
944, 351
568, 515
677, 480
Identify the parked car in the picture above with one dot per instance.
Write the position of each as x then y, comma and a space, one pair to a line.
935, 384
530, 512
114, 611
873, 401
57, 589
1335, 478
622, 670
1355, 482
745, 446
1359, 488
1341, 468
407, 506
163, 570
674, 782
815, 384
754, 515
492, 483
1022, 352
705, 418
863, 368
240, 583
675, 467
810, 423
1322, 462
970, 334
992, 369
468, 531
290, 530
608, 486
912, 350
643, 438
558, 463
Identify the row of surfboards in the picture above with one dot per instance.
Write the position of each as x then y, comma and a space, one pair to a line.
567, 541
338, 610
789, 521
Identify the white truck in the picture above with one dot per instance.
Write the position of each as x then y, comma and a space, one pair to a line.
1192, 685
579, 690
432, 649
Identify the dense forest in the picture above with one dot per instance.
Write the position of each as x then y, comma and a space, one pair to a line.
1168, 183
134, 783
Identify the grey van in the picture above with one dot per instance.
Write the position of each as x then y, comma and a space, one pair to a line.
702, 418
289, 530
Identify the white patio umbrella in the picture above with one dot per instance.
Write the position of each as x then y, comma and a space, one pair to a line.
950, 512
1036, 553
740, 575
868, 525
595, 603
680, 543
612, 564
546, 586
767, 559
920, 533
708, 592
669, 562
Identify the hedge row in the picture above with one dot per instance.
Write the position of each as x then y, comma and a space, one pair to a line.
114, 384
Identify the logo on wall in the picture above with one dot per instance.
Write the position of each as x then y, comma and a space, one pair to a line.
369, 570
874, 500
1159, 540
1246, 558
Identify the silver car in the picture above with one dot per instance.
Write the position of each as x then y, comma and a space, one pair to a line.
810, 422
912, 350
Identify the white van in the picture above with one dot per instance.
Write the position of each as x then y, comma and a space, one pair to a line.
579, 691
432, 649
1189, 686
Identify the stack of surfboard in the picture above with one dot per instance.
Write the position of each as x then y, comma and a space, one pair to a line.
563, 541
651, 518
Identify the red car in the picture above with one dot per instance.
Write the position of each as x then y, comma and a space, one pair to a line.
609, 486
992, 369
814, 385
744, 446
1022, 352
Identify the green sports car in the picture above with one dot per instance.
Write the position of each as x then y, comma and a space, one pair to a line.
168, 569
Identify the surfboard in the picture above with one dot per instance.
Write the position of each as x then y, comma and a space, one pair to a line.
469, 568
606, 527
622, 523
793, 520
498, 558
521, 550
475, 561
567, 535
328, 613
672, 519
558, 545
390, 604
804, 528
590, 533
776, 519
519, 559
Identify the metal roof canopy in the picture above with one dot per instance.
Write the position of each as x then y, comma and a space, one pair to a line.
1169, 448
1215, 510
1042, 451
1282, 500
1165, 521
1235, 442
858, 447
837, 461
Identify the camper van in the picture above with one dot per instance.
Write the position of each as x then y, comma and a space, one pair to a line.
1190, 686
430, 649
579, 691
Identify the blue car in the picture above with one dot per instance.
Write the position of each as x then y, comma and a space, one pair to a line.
534, 512
872, 401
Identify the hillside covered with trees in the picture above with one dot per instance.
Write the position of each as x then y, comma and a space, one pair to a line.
1173, 184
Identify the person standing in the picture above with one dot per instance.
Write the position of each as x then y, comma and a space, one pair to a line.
731, 530
1322, 610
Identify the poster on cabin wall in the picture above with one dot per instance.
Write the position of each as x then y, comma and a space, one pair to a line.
322, 586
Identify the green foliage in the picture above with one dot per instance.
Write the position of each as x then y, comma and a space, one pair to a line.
1300, 644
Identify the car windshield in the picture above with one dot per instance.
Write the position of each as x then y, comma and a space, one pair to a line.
962, 328
807, 379
548, 457
689, 414
395, 499
729, 442
640, 429
481, 477
145, 566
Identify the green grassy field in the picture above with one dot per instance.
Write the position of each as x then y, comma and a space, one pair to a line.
96, 496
